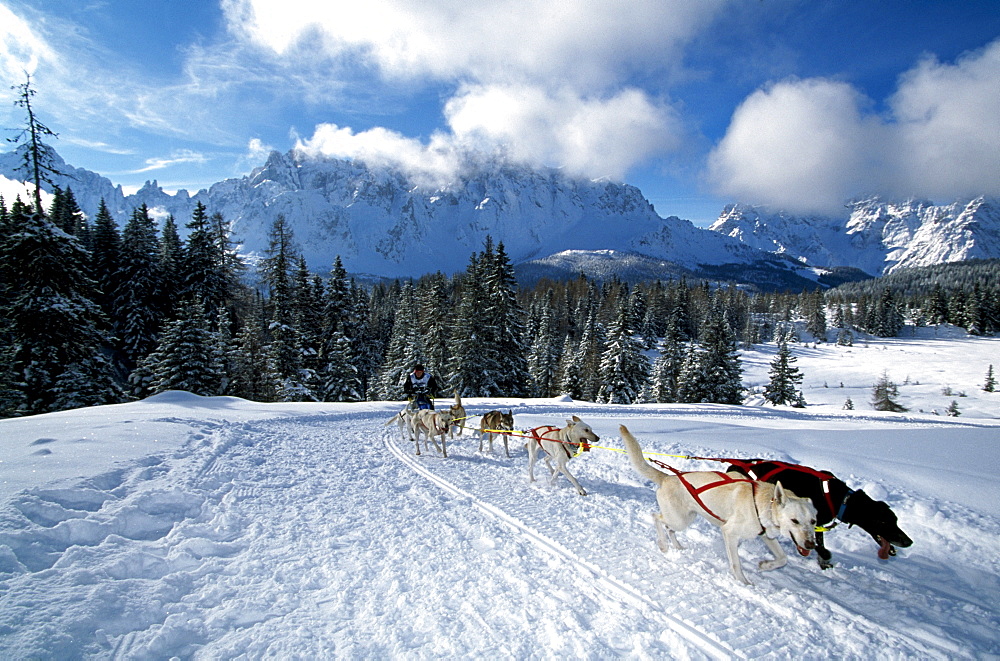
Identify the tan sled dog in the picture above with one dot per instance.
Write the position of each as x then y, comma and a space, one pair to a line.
458, 416
560, 445
496, 420
742, 508
431, 424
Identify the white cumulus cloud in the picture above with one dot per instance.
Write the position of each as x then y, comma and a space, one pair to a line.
435, 164
602, 136
543, 81
810, 145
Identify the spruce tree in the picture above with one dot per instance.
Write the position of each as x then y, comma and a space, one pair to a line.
187, 357
284, 348
667, 366
588, 357
784, 378
341, 381
171, 262
720, 362
884, 394
991, 383
543, 359
508, 370
472, 357
252, 375
569, 370
624, 368
404, 348
138, 300
434, 321
105, 258
57, 337
691, 384
39, 159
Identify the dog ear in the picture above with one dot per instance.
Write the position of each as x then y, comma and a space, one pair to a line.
779, 493
576, 419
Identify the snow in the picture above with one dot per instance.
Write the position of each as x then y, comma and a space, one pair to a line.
191, 527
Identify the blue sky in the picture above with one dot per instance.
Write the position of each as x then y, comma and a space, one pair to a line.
800, 104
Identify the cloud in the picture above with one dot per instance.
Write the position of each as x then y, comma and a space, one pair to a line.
21, 49
542, 81
948, 126
580, 42
433, 165
585, 136
599, 136
176, 158
11, 189
810, 145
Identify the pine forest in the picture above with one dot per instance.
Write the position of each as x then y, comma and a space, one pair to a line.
91, 313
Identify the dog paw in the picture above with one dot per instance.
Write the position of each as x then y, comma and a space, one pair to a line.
768, 565
825, 564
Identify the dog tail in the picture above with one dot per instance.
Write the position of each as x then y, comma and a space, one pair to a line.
636, 458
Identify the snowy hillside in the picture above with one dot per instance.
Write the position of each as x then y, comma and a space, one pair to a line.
875, 236
193, 527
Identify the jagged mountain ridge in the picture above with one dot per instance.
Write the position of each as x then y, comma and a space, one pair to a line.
876, 236
381, 223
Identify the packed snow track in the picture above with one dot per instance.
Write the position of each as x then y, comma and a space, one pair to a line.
324, 536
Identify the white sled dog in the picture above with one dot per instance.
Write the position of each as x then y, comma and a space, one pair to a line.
560, 445
496, 420
431, 424
742, 508
458, 416
404, 420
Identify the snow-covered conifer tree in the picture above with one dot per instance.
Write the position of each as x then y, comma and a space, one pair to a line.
57, 343
187, 357
667, 366
138, 302
784, 378
624, 368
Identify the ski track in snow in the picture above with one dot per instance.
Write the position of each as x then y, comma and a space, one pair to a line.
296, 538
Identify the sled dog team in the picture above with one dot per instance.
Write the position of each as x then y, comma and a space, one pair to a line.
747, 500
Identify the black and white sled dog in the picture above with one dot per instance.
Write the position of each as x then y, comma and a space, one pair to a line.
834, 501
740, 507
559, 445
493, 424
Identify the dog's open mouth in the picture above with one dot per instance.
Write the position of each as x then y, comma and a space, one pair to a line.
804, 552
885, 548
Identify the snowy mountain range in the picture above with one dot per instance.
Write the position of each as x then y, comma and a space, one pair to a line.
873, 235
384, 224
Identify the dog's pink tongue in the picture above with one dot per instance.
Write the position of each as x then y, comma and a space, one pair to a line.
804, 552
883, 550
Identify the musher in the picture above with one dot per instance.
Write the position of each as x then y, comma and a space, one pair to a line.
421, 388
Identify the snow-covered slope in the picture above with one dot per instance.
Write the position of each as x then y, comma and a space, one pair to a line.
875, 236
192, 527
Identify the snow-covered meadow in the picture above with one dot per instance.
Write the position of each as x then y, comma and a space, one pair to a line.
193, 527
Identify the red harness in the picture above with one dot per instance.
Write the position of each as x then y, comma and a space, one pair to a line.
548, 429
696, 491
823, 477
